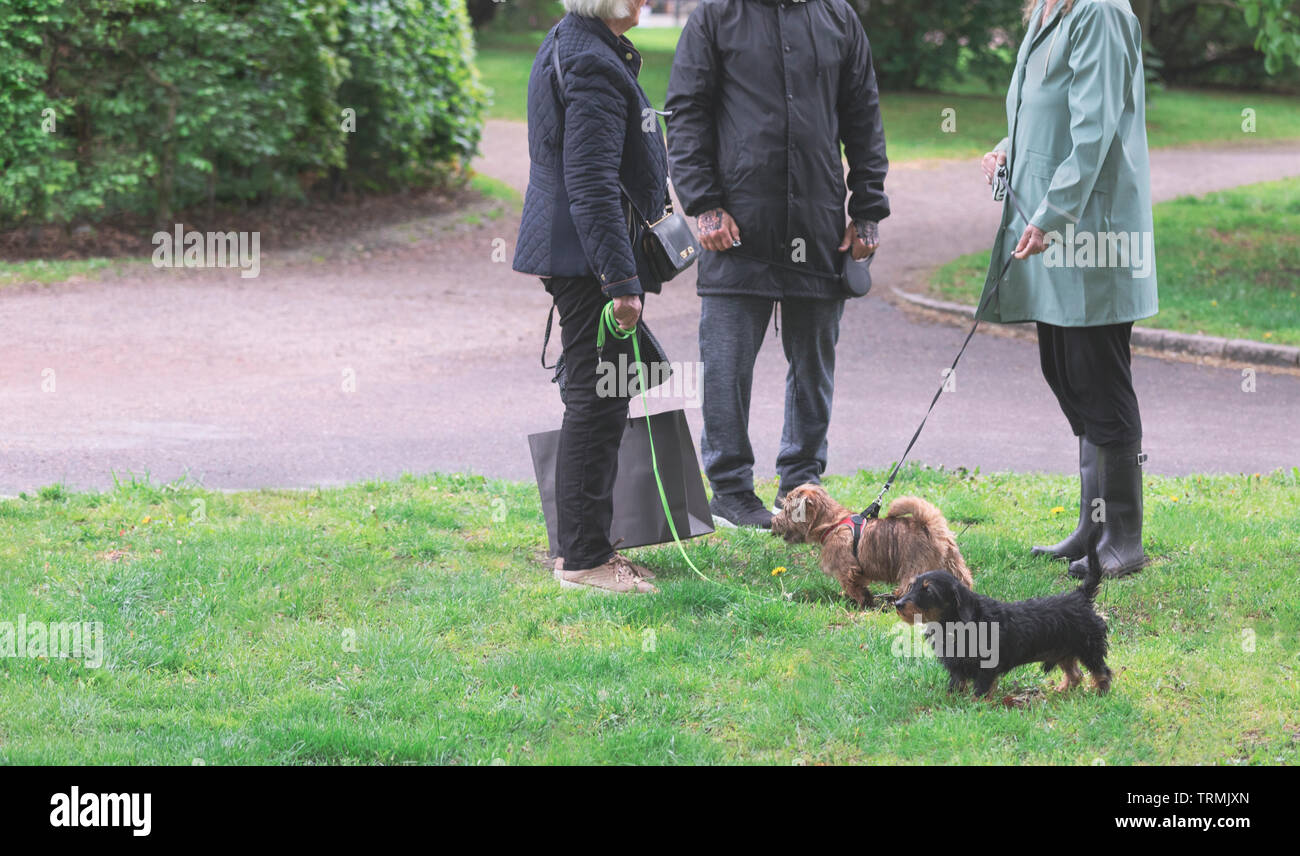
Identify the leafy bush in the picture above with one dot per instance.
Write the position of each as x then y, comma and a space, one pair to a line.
414, 87
922, 45
1279, 32
149, 106
1247, 44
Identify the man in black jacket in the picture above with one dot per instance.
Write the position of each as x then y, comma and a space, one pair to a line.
762, 94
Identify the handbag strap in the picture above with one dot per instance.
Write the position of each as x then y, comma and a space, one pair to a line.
559, 82
546, 339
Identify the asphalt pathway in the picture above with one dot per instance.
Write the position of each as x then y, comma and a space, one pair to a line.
424, 358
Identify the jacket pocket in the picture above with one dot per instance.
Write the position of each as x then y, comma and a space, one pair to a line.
1040, 164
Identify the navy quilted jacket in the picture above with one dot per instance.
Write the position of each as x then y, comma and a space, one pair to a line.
575, 221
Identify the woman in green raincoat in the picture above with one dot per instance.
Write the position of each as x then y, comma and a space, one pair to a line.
1078, 221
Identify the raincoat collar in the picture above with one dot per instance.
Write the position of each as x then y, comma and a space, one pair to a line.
1038, 31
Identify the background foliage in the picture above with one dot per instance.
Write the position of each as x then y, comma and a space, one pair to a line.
1252, 43
934, 44
1244, 43
924, 45
150, 106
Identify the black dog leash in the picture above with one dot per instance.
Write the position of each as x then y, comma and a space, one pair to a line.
872, 511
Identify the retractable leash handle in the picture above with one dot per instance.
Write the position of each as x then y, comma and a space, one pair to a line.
1001, 189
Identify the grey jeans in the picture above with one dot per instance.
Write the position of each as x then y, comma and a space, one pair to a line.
731, 332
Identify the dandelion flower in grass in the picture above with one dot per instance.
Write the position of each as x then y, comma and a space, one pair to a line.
1058, 509
778, 571
1214, 303
1173, 497
1268, 334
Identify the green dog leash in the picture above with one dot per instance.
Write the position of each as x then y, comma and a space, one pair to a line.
607, 323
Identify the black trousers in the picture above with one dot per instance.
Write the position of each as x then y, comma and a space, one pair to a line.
1090, 370
587, 460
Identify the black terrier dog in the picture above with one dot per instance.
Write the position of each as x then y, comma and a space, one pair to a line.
979, 639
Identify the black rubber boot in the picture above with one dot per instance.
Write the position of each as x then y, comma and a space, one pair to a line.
1120, 548
1075, 545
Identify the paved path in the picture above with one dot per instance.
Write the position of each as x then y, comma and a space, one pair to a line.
243, 383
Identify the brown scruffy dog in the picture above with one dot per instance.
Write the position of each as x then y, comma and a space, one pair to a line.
912, 538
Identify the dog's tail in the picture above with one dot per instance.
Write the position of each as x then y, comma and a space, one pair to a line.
933, 520
1093, 580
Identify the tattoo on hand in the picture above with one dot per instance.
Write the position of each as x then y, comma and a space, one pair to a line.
710, 221
868, 232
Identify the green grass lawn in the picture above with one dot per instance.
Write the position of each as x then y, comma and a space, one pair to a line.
47, 271
413, 622
914, 120
1227, 264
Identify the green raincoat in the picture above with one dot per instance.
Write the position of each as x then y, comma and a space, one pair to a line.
1077, 159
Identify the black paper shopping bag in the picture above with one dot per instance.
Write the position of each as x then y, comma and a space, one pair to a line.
638, 512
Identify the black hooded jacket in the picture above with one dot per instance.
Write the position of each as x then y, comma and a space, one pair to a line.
762, 94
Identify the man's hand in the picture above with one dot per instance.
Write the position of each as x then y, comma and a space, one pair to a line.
627, 310
1031, 243
990, 164
717, 230
863, 236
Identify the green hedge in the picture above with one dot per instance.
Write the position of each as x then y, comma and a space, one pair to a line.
151, 106
926, 45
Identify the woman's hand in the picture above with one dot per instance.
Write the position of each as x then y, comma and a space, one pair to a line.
717, 230
1031, 243
627, 310
990, 164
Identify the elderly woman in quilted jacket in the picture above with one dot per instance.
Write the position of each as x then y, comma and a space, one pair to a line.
590, 128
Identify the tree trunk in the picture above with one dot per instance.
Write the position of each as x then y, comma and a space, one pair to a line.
1142, 8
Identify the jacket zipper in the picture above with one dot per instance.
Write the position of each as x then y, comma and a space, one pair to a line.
1050, 45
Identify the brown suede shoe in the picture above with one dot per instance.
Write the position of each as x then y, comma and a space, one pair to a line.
640, 570
616, 575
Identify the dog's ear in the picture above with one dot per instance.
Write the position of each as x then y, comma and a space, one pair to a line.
794, 504
966, 605
815, 501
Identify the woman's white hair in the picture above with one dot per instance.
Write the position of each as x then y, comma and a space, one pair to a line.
603, 9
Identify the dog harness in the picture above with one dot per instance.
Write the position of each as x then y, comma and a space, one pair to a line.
854, 522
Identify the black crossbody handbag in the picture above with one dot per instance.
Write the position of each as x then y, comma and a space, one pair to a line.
667, 243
